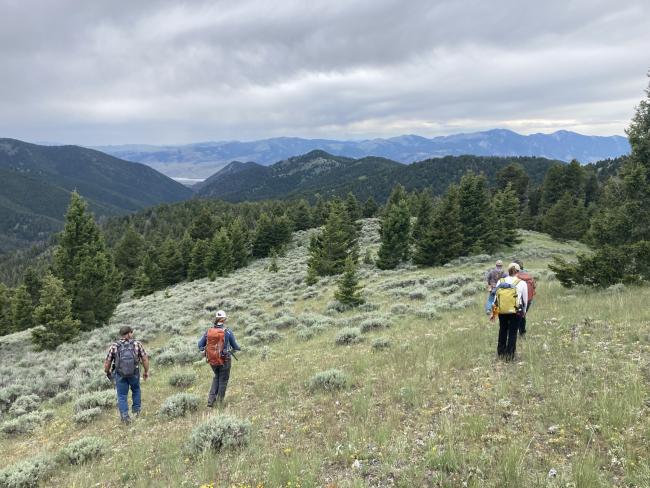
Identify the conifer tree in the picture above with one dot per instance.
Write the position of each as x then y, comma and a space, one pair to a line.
5, 310
273, 267
185, 247
203, 225
33, 282
370, 208
475, 214
300, 215
170, 263
566, 219
424, 216
219, 261
240, 244
21, 309
352, 206
87, 270
505, 219
443, 241
128, 255
264, 239
198, 259
395, 231
148, 277
320, 212
53, 316
349, 290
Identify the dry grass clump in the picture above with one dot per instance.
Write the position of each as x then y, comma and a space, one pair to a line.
179, 405
83, 450
218, 433
28, 473
330, 380
182, 379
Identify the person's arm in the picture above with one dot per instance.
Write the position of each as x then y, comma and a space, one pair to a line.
522, 294
203, 341
108, 362
145, 365
233, 341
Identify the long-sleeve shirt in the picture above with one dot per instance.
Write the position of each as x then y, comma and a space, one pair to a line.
229, 340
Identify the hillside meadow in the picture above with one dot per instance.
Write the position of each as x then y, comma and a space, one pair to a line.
403, 391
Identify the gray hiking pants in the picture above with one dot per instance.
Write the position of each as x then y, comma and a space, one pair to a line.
219, 382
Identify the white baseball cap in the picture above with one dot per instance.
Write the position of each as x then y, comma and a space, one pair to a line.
220, 314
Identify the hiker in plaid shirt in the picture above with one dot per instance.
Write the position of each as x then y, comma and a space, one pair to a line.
122, 366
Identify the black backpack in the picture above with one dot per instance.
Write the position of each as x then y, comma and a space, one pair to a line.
126, 359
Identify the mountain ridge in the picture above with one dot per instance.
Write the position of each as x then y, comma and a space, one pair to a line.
205, 158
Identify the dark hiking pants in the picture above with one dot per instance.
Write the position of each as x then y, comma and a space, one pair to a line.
508, 328
522, 321
219, 383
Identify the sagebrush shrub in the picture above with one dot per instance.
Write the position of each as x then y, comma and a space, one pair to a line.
283, 322
305, 334
330, 380
399, 309
83, 450
380, 343
63, 397
263, 336
87, 416
374, 323
429, 312
419, 293
26, 423
24, 404
219, 432
103, 399
9, 394
182, 379
186, 355
349, 335
28, 473
179, 405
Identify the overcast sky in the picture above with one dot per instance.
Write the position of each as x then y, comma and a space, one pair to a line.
168, 72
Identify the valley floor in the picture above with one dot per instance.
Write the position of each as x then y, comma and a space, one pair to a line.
430, 405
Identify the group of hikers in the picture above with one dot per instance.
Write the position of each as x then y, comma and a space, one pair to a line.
510, 295
124, 357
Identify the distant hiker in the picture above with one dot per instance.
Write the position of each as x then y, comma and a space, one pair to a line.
492, 277
217, 344
531, 285
510, 304
125, 356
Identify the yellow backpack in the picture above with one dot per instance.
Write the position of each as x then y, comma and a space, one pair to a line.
506, 297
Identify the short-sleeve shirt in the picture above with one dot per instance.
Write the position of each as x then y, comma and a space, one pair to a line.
139, 351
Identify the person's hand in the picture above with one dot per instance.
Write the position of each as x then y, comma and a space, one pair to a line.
109, 375
145, 375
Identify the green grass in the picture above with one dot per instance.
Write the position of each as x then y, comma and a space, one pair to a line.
434, 409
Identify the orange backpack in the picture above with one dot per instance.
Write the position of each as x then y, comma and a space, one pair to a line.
530, 283
214, 348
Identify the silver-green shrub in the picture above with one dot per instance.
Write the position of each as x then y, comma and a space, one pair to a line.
429, 312
330, 380
28, 473
304, 333
182, 379
380, 343
83, 450
26, 423
87, 416
103, 399
374, 323
218, 433
349, 335
63, 397
24, 404
179, 405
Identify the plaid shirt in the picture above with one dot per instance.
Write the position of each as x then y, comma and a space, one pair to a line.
139, 351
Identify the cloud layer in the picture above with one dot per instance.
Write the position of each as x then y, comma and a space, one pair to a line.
172, 72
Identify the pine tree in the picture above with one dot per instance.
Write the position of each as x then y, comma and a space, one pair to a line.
148, 277
320, 212
273, 267
475, 214
21, 309
329, 249
424, 217
444, 239
240, 244
566, 219
370, 208
87, 270
5, 310
300, 215
34, 284
515, 175
170, 263
264, 239
53, 315
349, 290
219, 261
505, 220
128, 255
203, 226
395, 233
185, 247
197, 267
352, 206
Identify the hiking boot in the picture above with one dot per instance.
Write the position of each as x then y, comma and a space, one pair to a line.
210, 405
126, 419
136, 414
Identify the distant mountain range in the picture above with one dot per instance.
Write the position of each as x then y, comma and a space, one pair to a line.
37, 182
329, 175
204, 159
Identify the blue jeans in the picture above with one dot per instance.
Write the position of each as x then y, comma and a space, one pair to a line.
122, 386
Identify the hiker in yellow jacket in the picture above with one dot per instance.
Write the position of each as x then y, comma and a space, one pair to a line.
510, 303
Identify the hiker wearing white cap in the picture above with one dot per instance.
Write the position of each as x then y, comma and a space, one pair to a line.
511, 301
217, 344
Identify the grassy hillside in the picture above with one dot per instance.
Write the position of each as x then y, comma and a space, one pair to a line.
429, 405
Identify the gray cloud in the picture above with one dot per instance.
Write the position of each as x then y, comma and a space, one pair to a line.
171, 72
